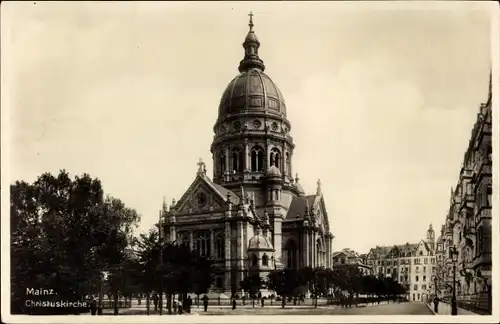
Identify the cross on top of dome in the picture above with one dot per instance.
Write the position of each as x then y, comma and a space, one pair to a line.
250, 24
251, 46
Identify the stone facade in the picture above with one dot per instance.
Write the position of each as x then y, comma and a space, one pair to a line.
468, 222
412, 265
254, 215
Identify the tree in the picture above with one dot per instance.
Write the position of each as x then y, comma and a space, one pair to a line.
252, 284
64, 233
284, 282
148, 251
203, 276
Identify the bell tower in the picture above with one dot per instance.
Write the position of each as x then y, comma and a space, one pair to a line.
431, 239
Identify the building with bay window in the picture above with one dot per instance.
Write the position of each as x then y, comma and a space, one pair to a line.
467, 225
412, 265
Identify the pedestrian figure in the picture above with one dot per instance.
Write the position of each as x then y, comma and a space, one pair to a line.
262, 302
175, 306
93, 306
436, 304
155, 301
205, 302
179, 307
234, 303
189, 304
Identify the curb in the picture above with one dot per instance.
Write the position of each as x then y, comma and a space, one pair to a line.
430, 308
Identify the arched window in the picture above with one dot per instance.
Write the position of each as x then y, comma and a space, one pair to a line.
257, 159
318, 252
185, 239
288, 165
219, 246
291, 254
237, 159
202, 243
218, 282
254, 260
222, 163
275, 158
421, 253
265, 260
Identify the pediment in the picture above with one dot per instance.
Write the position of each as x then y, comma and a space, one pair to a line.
201, 197
321, 214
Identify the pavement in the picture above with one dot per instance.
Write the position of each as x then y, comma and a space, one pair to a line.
445, 309
409, 308
377, 309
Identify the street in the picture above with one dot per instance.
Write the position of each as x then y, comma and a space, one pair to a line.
382, 309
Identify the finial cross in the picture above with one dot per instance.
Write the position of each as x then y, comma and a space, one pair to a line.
251, 20
201, 167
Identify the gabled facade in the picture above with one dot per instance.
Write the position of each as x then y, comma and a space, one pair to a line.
348, 257
412, 265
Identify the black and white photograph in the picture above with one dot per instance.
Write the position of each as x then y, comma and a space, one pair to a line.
271, 161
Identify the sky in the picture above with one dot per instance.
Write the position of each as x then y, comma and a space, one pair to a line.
382, 99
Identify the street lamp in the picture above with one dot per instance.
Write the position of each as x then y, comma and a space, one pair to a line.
454, 258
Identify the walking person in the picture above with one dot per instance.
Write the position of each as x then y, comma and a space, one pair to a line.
179, 306
189, 304
155, 301
93, 306
205, 302
436, 304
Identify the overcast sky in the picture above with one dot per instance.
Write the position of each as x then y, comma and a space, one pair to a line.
381, 99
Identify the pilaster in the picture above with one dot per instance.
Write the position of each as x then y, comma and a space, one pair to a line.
227, 254
246, 164
191, 240
212, 245
172, 236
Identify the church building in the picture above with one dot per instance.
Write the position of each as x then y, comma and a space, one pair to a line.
252, 216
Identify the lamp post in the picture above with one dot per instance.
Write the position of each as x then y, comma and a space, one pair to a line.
454, 257
436, 299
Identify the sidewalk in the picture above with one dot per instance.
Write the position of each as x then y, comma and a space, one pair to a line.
445, 309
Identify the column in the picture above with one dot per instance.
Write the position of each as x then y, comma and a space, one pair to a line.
240, 254
191, 240
212, 245
283, 161
227, 255
328, 253
266, 157
311, 249
305, 245
246, 165
227, 162
172, 237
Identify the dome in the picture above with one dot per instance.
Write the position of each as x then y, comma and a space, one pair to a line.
259, 242
251, 37
299, 188
273, 172
252, 90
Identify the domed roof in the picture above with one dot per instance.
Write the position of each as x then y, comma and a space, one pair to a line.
251, 37
273, 171
259, 242
299, 188
252, 90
